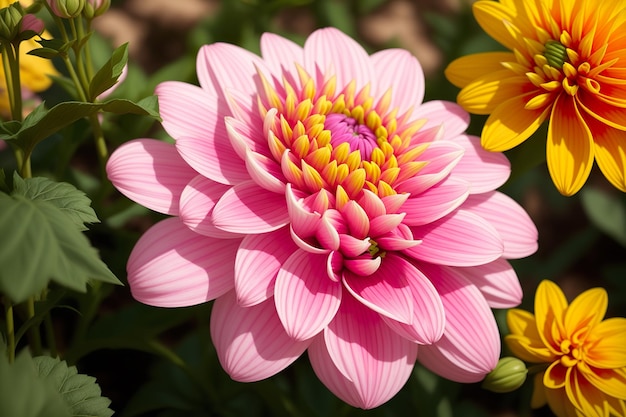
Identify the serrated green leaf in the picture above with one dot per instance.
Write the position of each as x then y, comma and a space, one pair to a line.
606, 211
24, 393
80, 392
71, 201
107, 76
41, 243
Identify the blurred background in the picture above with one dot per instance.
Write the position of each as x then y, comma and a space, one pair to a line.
582, 239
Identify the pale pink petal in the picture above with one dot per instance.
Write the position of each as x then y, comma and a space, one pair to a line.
306, 298
435, 202
387, 291
428, 312
303, 222
179, 100
326, 234
151, 173
452, 117
470, 345
356, 219
214, 158
351, 246
386, 223
365, 363
258, 261
170, 267
459, 239
333, 53
196, 204
281, 55
484, 170
245, 136
516, 228
248, 208
441, 158
399, 70
362, 266
251, 343
265, 172
497, 281
373, 205
223, 66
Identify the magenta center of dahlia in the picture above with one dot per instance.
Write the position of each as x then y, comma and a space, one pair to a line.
344, 129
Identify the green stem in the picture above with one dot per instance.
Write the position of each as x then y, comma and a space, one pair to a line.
77, 33
50, 340
79, 87
88, 57
8, 315
33, 332
101, 146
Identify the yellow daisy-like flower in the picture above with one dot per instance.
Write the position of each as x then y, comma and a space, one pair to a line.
567, 62
585, 356
35, 72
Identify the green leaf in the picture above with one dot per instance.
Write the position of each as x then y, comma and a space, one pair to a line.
80, 392
147, 106
606, 211
107, 76
41, 123
71, 201
24, 393
41, 243
47, 53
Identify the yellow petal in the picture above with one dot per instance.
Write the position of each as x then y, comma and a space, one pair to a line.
466, 69
584, 312
524, 340
610, 152
550, 306
607, 344
559, 403
570, 147
494, 17
556, 376
609, 381
510, 124
485, 93
584, 396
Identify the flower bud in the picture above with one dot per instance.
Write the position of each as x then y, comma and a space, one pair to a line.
10, 22
67, 9
95, 8
509, 375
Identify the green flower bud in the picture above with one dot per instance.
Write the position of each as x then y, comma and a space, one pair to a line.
509, 375
95, 8
10, 22
67, 9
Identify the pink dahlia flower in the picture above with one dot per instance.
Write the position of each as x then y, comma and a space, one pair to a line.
326, 209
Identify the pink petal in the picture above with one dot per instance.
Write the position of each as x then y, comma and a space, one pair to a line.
372, 204
451, 116
384, 224
303, 222
360, 358
459, 239
442, 157
222, 67
399, 70
251, 343
484, 170
497, 281
351, 246
281, 55
435, 202
265, 172
258, 261
306, 298
171, 266
387, 291
428, 312
516, 228
178, 101
470, 345
356, 219
247, 208
151, 173
333, 53
196, 205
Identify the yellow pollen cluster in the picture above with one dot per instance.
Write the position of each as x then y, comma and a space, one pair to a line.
559, 65
298, 140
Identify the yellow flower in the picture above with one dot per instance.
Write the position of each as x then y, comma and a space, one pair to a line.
35, 72
566, 63
584, 355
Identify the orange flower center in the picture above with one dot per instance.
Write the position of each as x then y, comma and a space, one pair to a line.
574, 349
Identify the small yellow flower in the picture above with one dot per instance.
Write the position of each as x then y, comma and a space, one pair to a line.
566, 64
584, 355
35, 72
